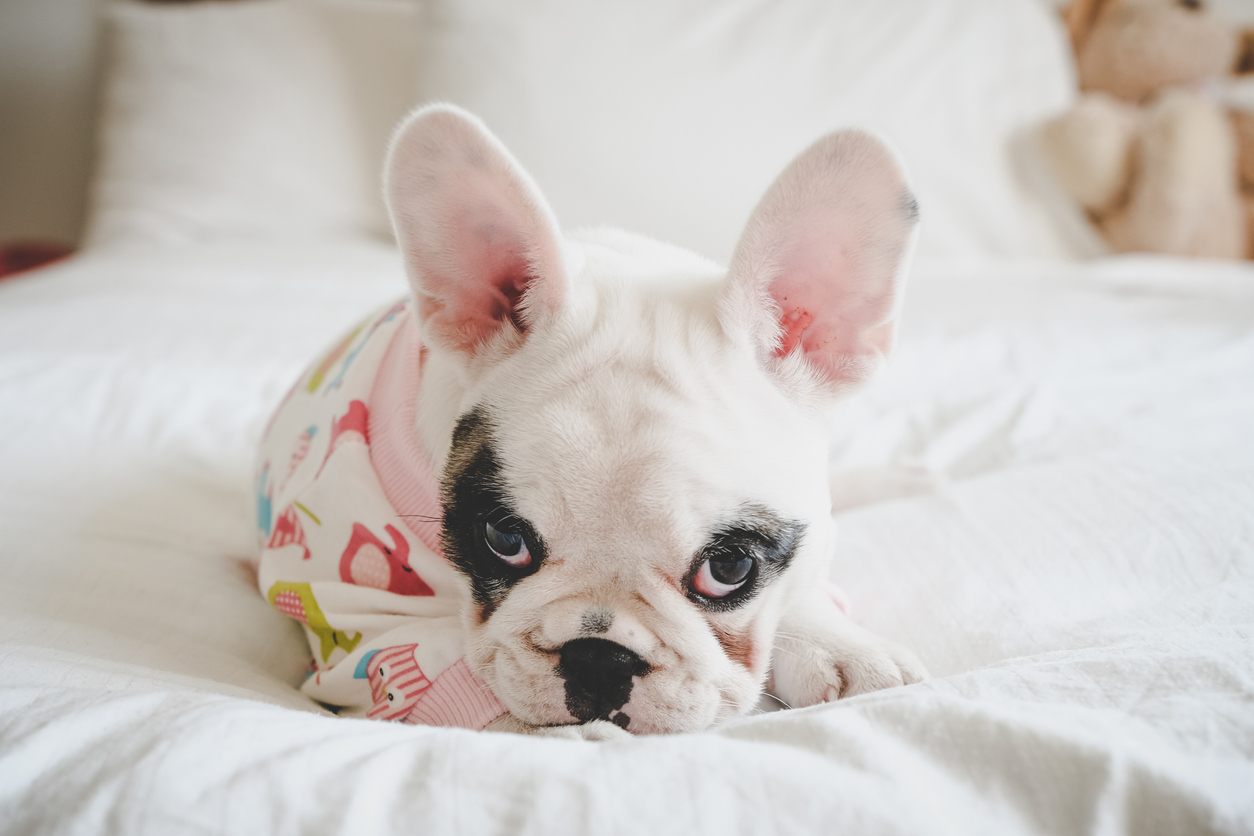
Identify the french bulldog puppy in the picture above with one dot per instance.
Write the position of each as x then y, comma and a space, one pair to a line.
630, 441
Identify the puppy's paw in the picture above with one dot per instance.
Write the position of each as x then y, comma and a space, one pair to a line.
594, 730
839, 663
825, 674
865, 667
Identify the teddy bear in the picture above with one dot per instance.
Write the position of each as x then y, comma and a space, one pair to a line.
1149, 150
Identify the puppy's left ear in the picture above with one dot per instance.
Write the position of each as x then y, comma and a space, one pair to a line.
481, 246
819, 272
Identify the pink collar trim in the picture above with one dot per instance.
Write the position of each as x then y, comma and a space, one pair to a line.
399, 460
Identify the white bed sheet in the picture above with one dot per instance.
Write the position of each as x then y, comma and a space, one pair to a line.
1071, 551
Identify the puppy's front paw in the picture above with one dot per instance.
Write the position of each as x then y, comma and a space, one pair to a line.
594, 730
826, 674
823, 660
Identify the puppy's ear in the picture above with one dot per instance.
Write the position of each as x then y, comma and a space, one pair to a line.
480, 244
820, 268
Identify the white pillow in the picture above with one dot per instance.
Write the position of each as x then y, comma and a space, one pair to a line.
258, 120
670, 117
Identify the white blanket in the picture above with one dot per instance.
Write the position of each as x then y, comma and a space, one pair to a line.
1065, 534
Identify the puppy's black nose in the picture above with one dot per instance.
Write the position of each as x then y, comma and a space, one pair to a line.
598, 676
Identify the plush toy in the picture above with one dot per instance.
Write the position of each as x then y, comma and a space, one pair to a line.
1149, 150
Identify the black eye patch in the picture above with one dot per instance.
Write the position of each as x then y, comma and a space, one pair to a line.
477, 511
757, 535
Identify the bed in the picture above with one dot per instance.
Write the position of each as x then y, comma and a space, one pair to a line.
1049, 494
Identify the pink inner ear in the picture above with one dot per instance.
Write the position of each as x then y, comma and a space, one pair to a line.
486, 271
813, 281
828, 308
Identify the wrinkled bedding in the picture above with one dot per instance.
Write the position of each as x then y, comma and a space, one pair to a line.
1049, 495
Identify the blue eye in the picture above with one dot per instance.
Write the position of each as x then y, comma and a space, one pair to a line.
506, 544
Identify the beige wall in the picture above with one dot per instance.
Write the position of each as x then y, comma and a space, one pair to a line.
49, 51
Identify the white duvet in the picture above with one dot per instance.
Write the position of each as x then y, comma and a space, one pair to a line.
1062, 460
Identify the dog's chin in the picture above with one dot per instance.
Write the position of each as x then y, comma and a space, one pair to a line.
663, 702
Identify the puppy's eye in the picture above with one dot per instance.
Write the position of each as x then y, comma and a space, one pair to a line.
723, 574
506, 544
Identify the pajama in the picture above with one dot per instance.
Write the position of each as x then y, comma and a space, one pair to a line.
349, 521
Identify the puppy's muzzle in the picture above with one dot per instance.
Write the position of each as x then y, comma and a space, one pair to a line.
598, 676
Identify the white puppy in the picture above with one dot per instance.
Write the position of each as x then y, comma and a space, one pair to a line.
630, 442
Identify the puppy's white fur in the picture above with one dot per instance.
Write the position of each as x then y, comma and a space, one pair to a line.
640, 399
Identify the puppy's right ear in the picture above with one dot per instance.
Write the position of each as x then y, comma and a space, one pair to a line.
481, 246
817, 278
